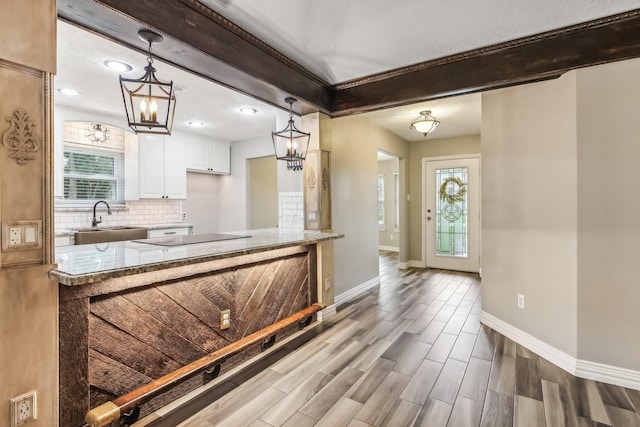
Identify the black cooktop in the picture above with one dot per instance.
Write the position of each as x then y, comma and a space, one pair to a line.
190, 239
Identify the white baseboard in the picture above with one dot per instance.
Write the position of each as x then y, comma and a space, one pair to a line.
608, 374
580, 368
541, 348
355, 292
416, 263
388, 248
327, 313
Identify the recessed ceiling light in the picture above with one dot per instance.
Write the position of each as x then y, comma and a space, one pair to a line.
248, 110
118, 66
68, 92
196, 123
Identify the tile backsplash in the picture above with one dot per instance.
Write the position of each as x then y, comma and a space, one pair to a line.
139, 212
291, 210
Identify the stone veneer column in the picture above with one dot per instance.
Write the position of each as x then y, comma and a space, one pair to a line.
28, 299
317, 196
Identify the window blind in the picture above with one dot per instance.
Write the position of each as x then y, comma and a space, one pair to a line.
91, 175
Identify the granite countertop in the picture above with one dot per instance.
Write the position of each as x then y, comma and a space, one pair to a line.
82, 264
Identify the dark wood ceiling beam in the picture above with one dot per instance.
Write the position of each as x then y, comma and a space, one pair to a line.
525, 60
205, 43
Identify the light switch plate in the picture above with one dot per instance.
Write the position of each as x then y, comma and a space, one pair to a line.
21, 235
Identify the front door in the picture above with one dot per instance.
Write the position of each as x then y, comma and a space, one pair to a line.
452, 214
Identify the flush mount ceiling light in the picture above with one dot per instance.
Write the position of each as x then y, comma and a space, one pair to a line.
68, 92
97, 132
119, 66
196, 123
291, 144
149, 103
248, 110
425, 124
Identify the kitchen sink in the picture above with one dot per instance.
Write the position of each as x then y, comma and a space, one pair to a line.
109, 234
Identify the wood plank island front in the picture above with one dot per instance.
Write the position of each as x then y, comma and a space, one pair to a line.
131, 312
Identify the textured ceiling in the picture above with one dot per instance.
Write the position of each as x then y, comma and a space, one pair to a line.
340, 40
337, 40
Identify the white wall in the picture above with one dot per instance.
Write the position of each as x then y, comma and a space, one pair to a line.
354, 171
232, 196
201, 208
608, 213
529, 209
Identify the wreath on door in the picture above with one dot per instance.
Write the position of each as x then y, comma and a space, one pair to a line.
448, 192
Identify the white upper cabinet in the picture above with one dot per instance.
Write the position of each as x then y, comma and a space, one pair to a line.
208, 156
163, 173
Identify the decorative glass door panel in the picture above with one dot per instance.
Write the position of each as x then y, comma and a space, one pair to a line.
452, 220
451, 212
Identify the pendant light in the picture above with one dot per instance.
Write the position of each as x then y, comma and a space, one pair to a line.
425, 124
149, 103
291, 144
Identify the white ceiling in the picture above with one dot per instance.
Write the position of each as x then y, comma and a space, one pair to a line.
80, 66
337, 40
341, 40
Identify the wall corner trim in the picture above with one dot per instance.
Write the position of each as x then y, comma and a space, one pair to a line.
580, 368
327, 313
357, 291
404, 265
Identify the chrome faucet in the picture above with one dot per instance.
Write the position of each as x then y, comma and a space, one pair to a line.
96, 221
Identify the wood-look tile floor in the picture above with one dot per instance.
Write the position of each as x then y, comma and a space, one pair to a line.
412, 352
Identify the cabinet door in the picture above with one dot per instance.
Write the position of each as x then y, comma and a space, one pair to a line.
175, 168
197, 155
151, 150
220, 158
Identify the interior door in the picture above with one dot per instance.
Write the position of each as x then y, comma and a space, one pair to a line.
452, 214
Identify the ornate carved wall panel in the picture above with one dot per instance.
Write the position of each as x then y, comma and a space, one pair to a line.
25, 156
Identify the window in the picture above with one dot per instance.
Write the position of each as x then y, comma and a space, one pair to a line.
396, 181
91, 175
380, 200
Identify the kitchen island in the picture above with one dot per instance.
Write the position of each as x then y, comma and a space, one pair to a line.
134, 311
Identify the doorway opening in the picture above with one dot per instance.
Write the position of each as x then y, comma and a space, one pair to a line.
388, 206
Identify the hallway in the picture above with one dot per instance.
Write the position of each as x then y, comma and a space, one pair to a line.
413, 353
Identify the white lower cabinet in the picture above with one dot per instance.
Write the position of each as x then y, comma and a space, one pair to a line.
208, 157
168, 232
163, 172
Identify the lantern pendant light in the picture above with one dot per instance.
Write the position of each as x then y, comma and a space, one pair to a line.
291, 144
149, 102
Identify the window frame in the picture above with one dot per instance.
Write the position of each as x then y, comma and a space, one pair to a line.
381, 202
118, 177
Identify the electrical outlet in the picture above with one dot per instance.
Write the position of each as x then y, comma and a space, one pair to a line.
184, 215
15, 236
24, 408
521, 301
225, 319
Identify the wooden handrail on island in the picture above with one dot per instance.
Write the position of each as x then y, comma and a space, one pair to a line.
112, 411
